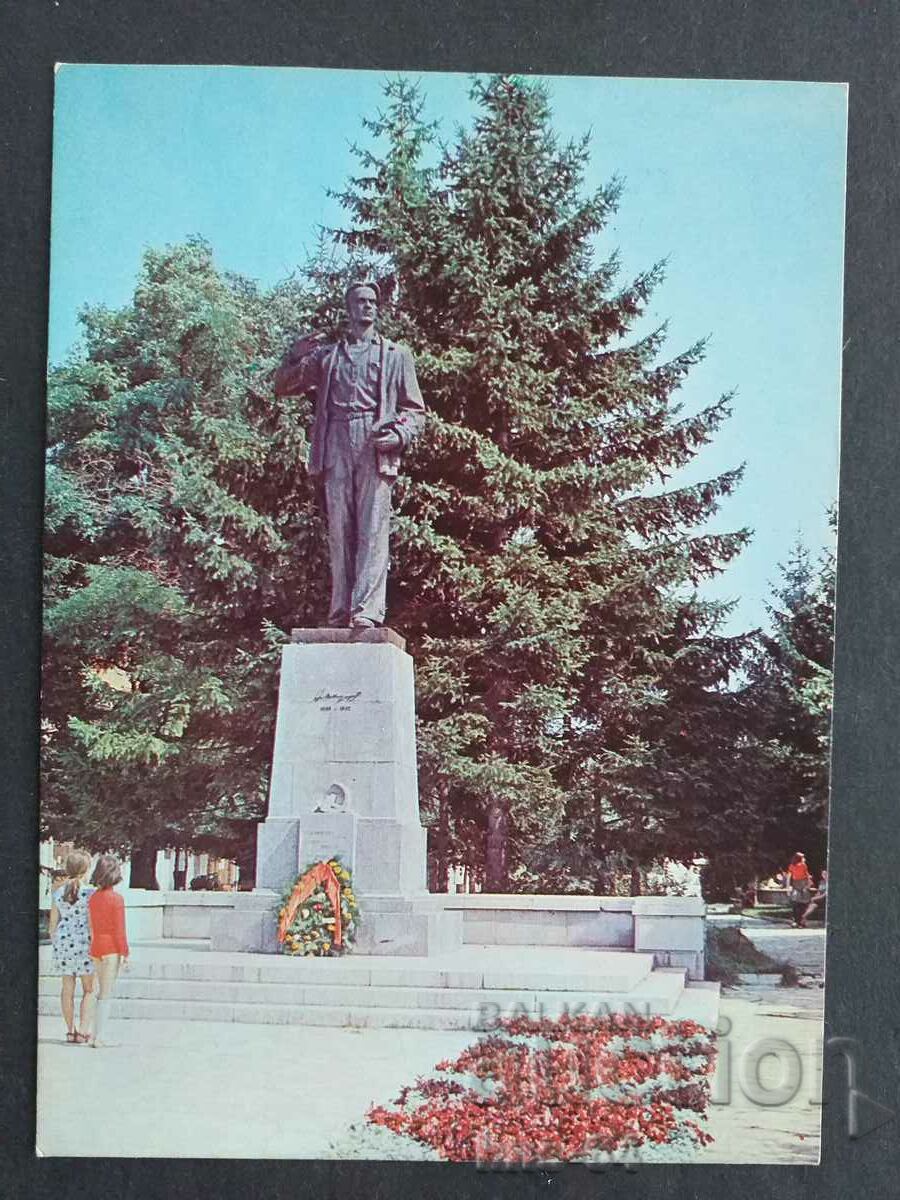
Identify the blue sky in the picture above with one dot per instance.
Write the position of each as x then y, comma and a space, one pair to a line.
739, 184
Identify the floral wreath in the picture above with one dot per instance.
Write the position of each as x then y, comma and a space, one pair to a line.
318, 913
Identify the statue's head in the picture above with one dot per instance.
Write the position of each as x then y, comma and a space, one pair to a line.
362, 300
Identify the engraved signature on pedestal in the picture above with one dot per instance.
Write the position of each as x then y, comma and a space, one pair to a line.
342, 701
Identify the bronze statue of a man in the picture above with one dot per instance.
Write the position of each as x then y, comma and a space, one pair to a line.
368, 410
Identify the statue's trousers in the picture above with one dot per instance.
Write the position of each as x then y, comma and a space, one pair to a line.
359, 516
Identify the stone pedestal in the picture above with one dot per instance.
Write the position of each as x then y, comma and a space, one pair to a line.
344, 783
344, 766
284, 844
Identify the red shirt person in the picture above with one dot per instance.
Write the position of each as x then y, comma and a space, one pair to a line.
799, 884
107, 916
109, 944
798, 872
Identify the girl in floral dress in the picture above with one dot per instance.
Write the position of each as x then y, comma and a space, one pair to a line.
71, 938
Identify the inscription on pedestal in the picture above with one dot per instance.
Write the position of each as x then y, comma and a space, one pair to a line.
346, 716
328, 835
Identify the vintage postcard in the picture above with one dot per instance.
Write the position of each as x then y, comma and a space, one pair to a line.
441, 483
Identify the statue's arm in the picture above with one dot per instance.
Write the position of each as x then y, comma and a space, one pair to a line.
410, 405
298, 371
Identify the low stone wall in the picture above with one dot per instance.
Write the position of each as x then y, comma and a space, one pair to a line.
150, 916
495, 919
189, 914
143, 914
671, 928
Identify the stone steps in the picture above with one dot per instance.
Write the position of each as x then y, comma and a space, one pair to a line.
659, 991
695, 1003
476, 967
460, 991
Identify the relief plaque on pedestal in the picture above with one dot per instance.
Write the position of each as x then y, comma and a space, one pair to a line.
328, 835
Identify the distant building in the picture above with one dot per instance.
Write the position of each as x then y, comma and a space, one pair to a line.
175, 870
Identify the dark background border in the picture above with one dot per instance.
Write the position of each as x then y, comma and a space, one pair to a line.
769, 39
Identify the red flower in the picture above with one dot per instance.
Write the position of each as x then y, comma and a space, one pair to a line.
542, 1104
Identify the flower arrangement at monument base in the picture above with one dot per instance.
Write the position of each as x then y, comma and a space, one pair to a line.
319, 913
618, 1088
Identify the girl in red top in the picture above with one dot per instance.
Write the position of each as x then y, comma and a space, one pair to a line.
109, 945
799, 885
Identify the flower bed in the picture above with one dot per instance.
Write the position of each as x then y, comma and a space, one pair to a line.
574, 1089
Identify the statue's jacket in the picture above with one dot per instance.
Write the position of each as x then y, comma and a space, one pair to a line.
400, 404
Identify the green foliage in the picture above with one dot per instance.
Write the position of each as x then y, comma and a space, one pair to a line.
792, 678
176, 503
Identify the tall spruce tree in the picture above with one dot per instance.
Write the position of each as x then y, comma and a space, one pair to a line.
792, 684
570, 677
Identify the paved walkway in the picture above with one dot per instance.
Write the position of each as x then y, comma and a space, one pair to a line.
779, 1120
205, 1089
802, 948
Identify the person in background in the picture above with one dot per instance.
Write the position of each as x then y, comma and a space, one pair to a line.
109, 943
819, 898
71, 938
799, 885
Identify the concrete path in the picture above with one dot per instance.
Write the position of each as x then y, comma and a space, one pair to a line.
802, 948
206, 1089
203, 1089
767, 1087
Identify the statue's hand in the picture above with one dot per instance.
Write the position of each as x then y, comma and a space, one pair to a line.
389, 440
306, 344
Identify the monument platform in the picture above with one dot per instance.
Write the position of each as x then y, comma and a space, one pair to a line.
469, 988
669, 928
344, 784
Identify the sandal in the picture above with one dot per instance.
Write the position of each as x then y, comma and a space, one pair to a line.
82, 1038
72, 1035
